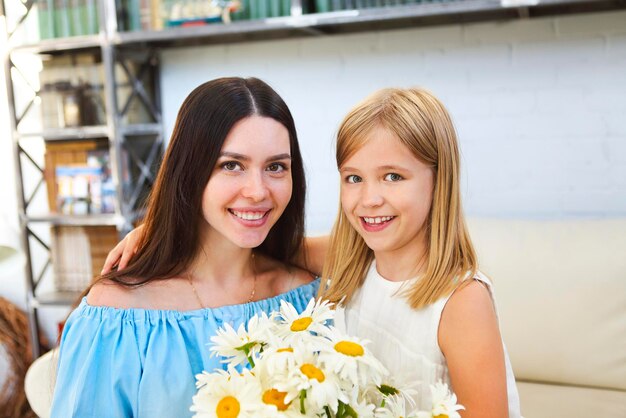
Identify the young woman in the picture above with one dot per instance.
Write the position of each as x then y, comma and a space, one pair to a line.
225, 216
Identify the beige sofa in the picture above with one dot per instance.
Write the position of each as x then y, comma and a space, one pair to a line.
561, 293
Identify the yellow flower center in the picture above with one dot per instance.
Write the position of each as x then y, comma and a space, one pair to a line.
227, 407
312, 372
276, 398
349, 348
285, 350
441, 416
301, 324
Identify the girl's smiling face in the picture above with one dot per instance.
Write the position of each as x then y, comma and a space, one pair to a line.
251, 183
386, 193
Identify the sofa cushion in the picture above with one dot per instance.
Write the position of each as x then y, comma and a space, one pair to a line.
553, 401
561, 293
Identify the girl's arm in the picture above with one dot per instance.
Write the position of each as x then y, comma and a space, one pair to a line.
470, 340
310, 256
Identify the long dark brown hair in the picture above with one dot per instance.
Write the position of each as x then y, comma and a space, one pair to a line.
171, 233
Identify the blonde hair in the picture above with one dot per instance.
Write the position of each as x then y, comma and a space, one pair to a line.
421, 123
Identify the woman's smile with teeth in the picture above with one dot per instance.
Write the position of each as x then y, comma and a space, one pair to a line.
248, 216
377, 220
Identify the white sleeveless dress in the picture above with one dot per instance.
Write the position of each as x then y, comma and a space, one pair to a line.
405, 340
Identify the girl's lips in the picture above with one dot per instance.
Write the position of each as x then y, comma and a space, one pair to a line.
375, 227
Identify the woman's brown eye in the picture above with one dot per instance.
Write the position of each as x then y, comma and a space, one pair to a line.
230, 166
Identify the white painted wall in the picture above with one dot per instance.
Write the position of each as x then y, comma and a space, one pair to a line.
540, 106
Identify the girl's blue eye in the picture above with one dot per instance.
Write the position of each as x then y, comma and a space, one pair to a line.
231, 166
353, 178
393, 177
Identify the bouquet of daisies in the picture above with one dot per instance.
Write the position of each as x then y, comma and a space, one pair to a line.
297, 365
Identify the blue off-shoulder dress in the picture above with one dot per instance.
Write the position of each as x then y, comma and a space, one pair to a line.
141, 363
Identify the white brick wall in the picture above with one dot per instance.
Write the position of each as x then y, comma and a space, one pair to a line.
540, 105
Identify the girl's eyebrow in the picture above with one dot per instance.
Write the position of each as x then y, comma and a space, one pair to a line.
381, 168
392, 167
241, 157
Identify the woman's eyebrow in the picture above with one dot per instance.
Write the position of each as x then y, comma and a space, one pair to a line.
237, 156
284, 156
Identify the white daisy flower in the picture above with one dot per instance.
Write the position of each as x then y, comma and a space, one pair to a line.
348, 358
395, 407
322, 386
278, 359
241, 346
275, 403
444, 403
227, 395
394, 385
294, 325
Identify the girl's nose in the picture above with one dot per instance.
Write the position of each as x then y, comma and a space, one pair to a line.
371, 196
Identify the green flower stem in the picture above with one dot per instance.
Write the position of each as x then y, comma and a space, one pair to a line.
302, 398
246, 351
327, 411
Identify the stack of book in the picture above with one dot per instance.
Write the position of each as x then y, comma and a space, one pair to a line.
78, 254
78, 177
323, 6
65, 18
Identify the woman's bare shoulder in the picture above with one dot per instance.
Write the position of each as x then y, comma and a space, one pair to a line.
111, 294
156, 294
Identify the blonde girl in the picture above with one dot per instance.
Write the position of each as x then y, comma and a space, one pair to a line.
400, 260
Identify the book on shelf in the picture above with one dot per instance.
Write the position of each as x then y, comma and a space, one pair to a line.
78, 177
84, 189
45, 9
61, 19
78, 24
90, 16
156, 18
133, 14
78, 254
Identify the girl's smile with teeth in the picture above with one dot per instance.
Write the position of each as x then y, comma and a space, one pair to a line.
377, 219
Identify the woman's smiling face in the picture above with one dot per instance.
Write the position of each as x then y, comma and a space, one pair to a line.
251, 184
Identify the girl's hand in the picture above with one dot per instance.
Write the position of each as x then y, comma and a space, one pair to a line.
121, 254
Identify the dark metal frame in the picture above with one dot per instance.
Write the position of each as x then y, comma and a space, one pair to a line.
120, 141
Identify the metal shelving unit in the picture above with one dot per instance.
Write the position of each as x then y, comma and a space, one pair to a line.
132, 147
135, 55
